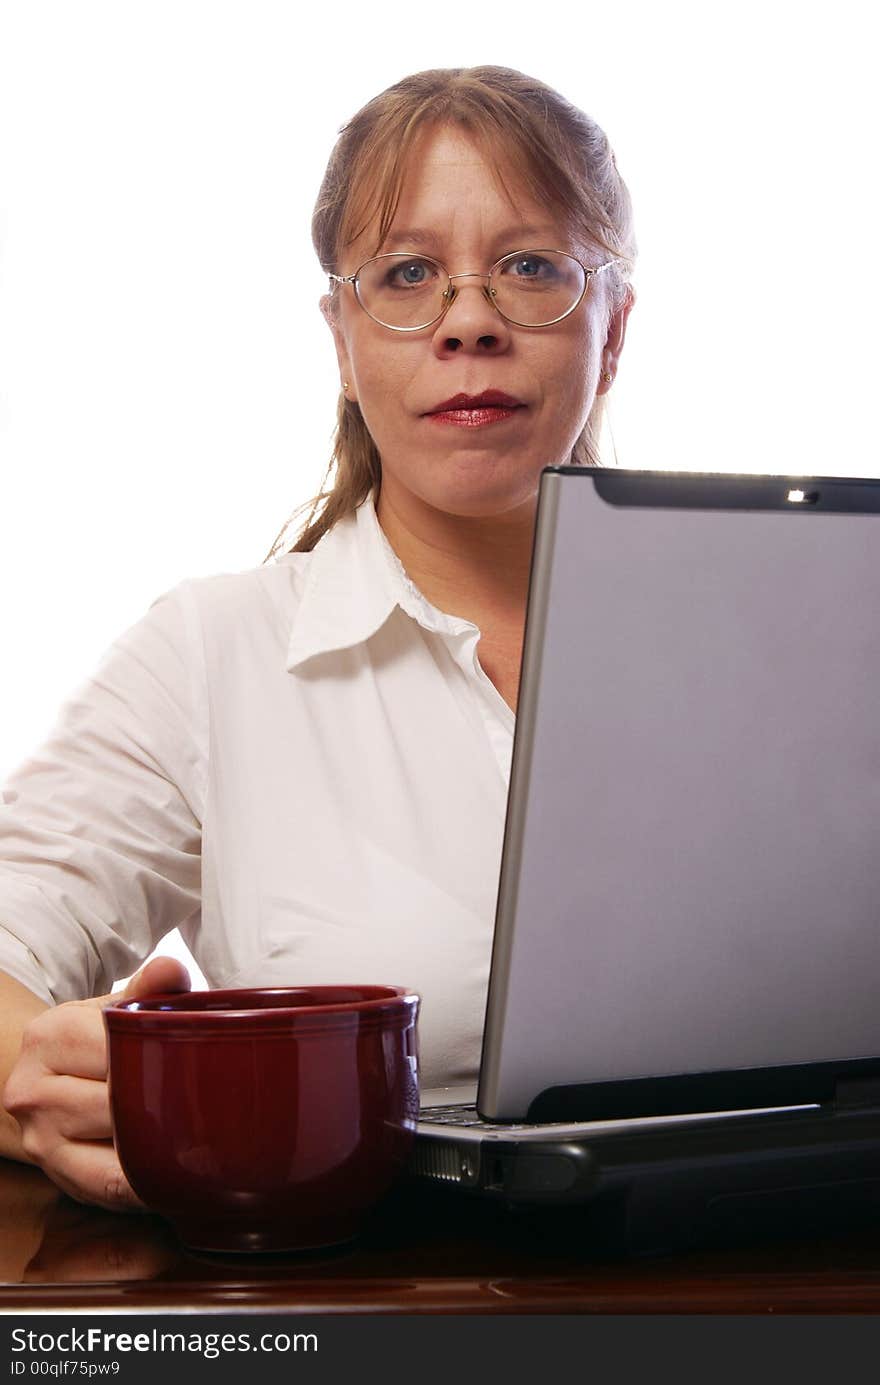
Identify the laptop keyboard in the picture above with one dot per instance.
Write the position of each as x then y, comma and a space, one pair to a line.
462, 1115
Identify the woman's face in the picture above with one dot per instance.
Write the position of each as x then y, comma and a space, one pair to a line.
478, 462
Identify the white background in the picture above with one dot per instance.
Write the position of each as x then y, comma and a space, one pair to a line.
167, 387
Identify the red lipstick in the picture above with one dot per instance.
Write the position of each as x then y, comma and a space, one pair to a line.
475, 410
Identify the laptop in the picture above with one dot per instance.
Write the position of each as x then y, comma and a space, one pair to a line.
685, 977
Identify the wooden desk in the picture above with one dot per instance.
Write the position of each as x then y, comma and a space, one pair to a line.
419, 1254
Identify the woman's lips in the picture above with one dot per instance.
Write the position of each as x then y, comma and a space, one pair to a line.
474, 418
476, 411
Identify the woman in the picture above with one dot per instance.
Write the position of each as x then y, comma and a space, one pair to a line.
304, 767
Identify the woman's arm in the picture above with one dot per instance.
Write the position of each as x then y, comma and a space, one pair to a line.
100, 828
100, 836
18, 1006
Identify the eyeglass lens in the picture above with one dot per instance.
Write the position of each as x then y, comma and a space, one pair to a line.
531, 288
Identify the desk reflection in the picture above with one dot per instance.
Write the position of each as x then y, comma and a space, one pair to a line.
417, 1254
47, 1238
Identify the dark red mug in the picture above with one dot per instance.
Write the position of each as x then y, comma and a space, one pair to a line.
264, 1119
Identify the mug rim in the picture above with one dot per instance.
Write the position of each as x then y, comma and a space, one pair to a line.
169, 1007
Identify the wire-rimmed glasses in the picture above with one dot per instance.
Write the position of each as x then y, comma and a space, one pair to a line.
407, 291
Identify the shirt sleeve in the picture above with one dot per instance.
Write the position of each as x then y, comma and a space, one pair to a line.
100, 829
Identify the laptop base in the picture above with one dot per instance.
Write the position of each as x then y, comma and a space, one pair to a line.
678, 1186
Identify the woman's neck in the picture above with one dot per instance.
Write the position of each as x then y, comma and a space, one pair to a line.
474, 568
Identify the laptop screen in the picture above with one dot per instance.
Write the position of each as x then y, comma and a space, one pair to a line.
690, 886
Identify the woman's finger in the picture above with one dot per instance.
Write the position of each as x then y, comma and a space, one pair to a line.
90, 1172
68, 1040
78, 1107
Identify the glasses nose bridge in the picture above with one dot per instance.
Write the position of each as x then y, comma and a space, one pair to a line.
452, 292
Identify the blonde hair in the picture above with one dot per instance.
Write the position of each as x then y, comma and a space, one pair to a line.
563, 157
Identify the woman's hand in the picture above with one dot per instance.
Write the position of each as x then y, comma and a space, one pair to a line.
57, 1092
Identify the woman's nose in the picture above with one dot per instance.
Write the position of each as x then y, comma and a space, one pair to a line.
471, 322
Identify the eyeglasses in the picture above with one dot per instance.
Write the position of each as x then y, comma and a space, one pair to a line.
529, 288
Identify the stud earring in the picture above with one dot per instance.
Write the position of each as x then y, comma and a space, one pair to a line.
606, 376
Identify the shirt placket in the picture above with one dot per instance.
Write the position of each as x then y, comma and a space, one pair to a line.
497, 718
462, 638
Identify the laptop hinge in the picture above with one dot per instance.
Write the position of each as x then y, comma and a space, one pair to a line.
854, 1093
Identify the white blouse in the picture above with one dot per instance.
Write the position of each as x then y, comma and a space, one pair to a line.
302, 766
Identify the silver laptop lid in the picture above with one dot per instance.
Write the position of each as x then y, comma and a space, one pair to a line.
691, 869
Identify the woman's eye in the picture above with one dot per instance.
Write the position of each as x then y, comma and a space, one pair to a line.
411, 275
529, 267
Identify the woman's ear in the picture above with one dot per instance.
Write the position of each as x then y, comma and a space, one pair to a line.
330, 316
614, 339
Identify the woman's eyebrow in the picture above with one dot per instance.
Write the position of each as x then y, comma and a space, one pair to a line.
518, 237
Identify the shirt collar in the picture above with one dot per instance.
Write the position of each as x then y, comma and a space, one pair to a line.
354, 582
